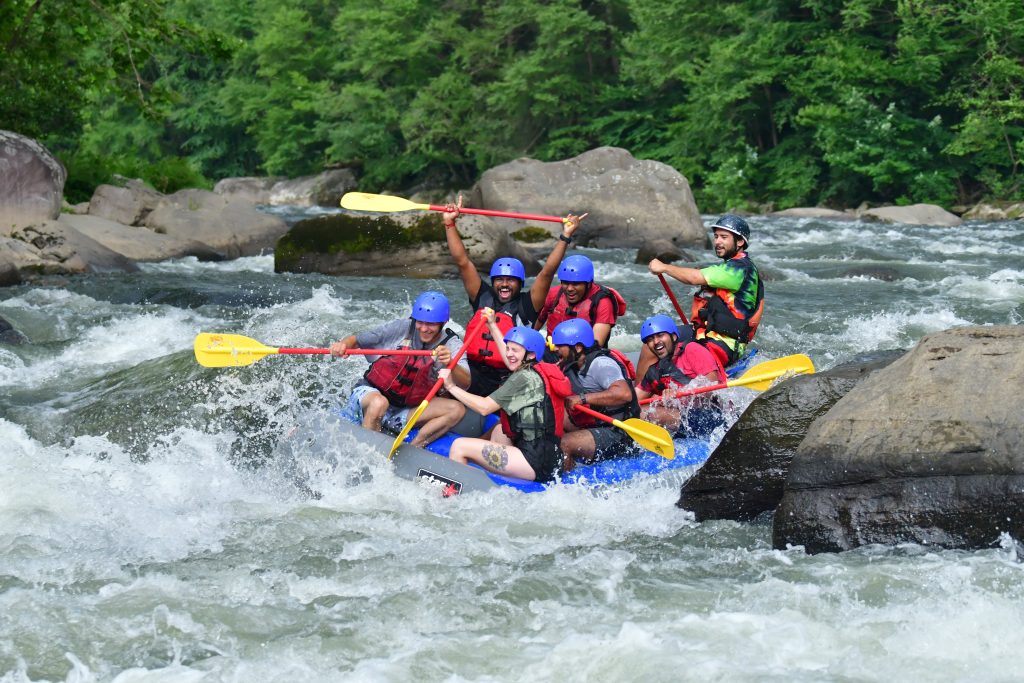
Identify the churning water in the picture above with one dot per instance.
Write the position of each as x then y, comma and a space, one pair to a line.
148, 533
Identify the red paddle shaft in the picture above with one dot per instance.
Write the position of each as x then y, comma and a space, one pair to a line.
503, 214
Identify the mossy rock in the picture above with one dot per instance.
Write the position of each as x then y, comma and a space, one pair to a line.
531, 234
353, 235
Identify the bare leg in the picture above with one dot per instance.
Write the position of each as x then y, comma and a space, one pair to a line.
668, 418
579, 444
493, 457
440, 415
374, 406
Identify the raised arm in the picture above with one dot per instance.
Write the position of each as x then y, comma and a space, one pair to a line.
496, 335
467, 271
542, 283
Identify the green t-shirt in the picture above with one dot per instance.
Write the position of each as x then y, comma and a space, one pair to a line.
523, 388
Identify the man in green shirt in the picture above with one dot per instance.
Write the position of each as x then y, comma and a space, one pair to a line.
727, 308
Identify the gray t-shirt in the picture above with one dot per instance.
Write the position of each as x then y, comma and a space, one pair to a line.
603, 372
389, 335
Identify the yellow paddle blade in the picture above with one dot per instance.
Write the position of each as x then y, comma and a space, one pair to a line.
407, 428
228, 350
361, 201
649, 436
761, 376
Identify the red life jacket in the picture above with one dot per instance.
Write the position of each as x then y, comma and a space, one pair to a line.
556, 388
556, 308
482, 348
405, 380
623, 412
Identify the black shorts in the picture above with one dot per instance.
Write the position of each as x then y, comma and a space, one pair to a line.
612, 442
545, 457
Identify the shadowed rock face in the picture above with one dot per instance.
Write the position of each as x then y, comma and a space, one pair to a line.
33, 182
746, 474
9, 335
927, 450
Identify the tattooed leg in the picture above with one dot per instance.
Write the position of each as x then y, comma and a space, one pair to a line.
495, 456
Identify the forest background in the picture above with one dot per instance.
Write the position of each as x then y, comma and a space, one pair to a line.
758, 102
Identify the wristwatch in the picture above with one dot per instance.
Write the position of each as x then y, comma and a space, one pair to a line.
567, 240
583, 398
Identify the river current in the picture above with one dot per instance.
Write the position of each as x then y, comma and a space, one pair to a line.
149, 533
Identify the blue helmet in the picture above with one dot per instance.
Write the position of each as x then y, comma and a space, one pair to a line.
430, 307
576, 268
733, 224
508, 267
529, 338
573, 332
655, 324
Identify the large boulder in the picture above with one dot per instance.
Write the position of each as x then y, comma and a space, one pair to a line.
56, 248
33, 182
233, 227
128, 204
630, 202
250, 189
396, 245
139, 244
746, 474
929, 450
915, 214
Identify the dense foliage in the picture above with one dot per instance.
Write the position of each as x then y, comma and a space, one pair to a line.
785, 102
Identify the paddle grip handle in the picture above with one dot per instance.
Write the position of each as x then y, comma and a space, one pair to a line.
672, 296
503, 214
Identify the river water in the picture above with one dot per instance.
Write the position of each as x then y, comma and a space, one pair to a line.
148, 533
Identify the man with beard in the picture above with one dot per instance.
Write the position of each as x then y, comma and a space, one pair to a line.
504, 294
679, 360
600, 381
728, 306
578, 296
394, 385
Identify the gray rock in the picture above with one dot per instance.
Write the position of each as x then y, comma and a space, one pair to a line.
324, 189
395, 245
33, 182
127, 205
9, 273
9, 335
63, 250
663, 250
928, 450
230, 226
813, 212
139, 244
255, 190
915, 214
746, 474
630, 202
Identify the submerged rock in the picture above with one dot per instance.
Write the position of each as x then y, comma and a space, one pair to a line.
9, 335
927, 450
746, 474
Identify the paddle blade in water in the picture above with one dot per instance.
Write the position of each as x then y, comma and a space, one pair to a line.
228, 350
362, 201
